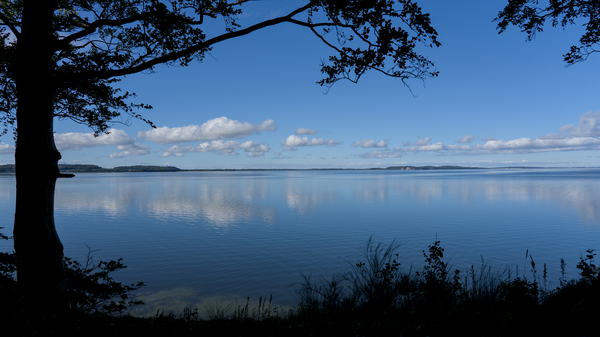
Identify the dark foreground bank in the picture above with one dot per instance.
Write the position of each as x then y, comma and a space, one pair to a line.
375, 297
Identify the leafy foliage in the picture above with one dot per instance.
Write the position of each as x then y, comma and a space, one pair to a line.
588, 270
91, 289
531, 18
97, 42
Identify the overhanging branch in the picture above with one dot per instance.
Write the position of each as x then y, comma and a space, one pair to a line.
91, 28
190, 50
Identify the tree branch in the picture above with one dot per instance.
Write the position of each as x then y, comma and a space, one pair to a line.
190, 50
91, 28
325, 40
322, 24
12, 28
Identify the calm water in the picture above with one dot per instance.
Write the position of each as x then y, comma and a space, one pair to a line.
196, 235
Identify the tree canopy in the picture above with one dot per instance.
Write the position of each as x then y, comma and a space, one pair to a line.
531, 18
97, 42
64, 58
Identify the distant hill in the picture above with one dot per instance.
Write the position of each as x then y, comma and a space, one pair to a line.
446, 167
66, 168
80, 168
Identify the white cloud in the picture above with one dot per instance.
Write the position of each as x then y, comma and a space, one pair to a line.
395, 153
465, 139
130, 150
527, 145
454, 147
305, 131
429, 147
365, 143
581, 137
422, 142
77, 141
124, 143
214, 129
589, 126
224, 148
7, 149
407, 143
293, 141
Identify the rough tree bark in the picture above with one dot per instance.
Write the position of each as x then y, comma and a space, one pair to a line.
39, 250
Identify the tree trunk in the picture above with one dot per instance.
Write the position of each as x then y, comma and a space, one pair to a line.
40, 271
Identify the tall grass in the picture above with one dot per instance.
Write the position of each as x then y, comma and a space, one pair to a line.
378, 293
376, 296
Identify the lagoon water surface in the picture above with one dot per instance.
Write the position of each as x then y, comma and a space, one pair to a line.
196, 235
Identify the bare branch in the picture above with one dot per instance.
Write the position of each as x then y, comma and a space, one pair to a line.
325, 40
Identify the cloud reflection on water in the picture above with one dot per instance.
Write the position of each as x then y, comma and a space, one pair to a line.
231, 202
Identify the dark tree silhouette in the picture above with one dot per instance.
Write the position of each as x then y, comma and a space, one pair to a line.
530, 17
64, 58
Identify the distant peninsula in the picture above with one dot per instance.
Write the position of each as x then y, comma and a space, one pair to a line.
66, 168
82, 168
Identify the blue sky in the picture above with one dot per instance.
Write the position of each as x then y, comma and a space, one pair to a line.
253, 103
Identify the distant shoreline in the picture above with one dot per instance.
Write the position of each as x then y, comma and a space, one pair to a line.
83, 168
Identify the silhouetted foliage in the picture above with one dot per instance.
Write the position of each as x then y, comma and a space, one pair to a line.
374, 298
90, 287
530, 17
377, 298
98, 42
64, 58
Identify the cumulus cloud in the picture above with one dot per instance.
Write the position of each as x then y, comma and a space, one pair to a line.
304, 131
465, 139
365, 143
422, 142
454, 147
428, 147
581, 137
6, 149
589, 126
407, 143
224, 148
124, 143
214, 129
571, 138
130, 150
395, 153
77, 141
293, 142
528, 145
